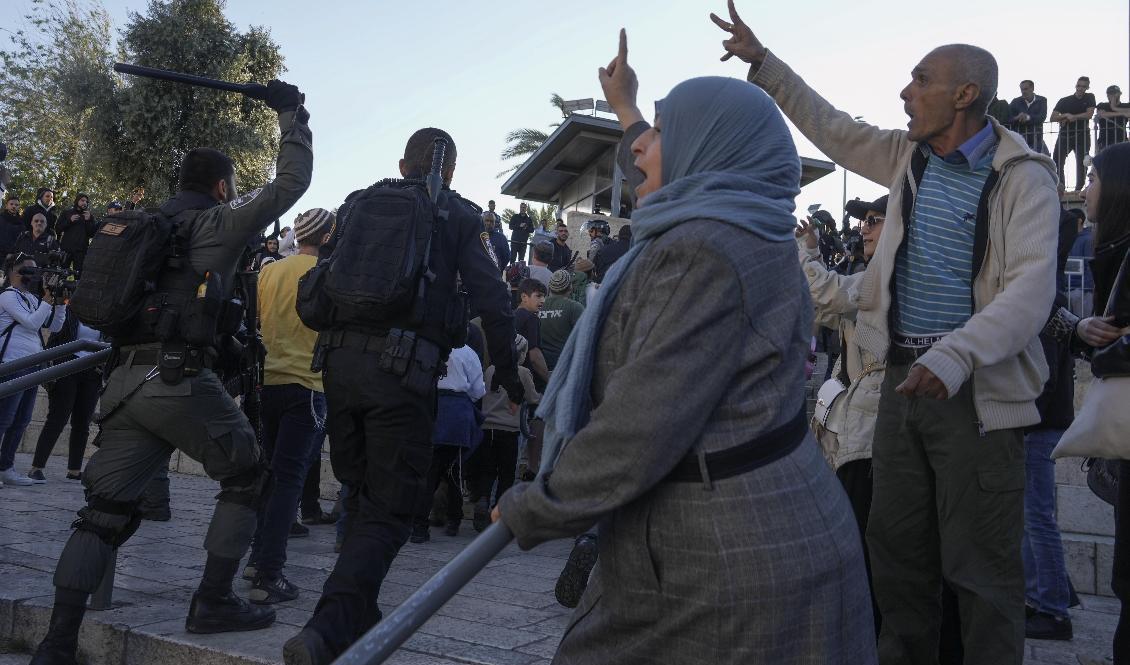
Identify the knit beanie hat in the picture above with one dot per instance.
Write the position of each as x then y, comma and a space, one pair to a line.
561, 282
583, 264
311, 222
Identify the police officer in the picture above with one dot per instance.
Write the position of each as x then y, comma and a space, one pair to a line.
161, 396
380, 431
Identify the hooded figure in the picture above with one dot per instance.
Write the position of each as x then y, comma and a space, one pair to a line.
46, 207
75, 228
752, 556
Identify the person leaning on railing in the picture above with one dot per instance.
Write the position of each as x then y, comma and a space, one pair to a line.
23, 313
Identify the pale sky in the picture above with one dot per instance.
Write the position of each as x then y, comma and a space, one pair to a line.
375, 71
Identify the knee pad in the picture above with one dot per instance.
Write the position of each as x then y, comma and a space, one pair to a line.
112, 536
247, 488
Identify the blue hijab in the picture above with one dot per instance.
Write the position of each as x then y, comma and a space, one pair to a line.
728, 156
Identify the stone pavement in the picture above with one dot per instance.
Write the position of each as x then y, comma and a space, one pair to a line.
506, 616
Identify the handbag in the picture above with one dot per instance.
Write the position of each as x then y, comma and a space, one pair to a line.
1102, 478
830, 414
1100, 428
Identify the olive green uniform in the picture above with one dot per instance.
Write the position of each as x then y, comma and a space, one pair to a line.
195, 414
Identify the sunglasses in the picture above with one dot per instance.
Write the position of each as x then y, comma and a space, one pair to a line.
872, 220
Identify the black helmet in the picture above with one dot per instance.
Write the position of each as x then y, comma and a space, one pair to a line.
599, 225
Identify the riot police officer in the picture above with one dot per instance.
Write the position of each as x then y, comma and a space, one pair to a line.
164, 395
379, 429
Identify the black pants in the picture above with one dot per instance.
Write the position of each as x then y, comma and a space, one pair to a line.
380, 446
518, 248
312, 489
856, 478
72, 398
1074, 142
444, 468
1120, 574
496, 459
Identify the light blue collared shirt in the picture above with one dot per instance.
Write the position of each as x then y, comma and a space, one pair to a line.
978, 151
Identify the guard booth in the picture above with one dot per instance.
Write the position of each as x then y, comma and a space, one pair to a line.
575, 169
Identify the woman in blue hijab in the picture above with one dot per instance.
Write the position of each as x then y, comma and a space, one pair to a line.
675, 417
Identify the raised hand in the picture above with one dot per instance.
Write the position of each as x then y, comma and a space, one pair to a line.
807, 230
742, 41
618, 80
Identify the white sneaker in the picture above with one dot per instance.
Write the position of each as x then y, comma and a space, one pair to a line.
10, 477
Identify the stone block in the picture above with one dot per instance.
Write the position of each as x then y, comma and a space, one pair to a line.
329, 485
1078, 510
168, 643
1104, 560
189, 466
1068, 472
1079, 559
465, 651
478, 633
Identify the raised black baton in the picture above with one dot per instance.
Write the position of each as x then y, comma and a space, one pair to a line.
252, 90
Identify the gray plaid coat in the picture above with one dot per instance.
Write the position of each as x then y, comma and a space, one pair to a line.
705, 348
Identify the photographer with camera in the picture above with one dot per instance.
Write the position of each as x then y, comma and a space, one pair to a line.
39, 243
26, 307
75, 228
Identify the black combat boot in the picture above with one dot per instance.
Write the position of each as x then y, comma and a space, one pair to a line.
215, 609
59, 645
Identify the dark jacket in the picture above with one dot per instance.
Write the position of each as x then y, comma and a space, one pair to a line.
1033, 130
501, 248
11, 226
562, 255
36, 208
607, 256
521, 226
75, 236
37, 247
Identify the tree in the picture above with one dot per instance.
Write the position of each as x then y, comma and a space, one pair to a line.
57, 94
524, 142
159, 122
543, 217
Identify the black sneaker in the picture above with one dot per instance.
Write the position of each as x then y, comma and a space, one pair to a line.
307, 648
268, 591
298, 531
420, 534
227, 614
451, 528
575, 576
77, 475
37, 477
1043, 626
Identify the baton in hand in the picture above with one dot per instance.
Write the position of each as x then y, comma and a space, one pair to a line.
252, 90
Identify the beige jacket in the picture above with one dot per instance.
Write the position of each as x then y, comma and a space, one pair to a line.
834, 296
998, 348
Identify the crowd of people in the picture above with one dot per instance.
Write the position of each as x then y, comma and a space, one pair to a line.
910, 519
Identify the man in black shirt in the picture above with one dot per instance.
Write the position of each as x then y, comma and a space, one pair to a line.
1026, 115
612, 253
562, 255
1111, 120
521, 226
1072, 113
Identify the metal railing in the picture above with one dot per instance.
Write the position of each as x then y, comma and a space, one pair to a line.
1055, 140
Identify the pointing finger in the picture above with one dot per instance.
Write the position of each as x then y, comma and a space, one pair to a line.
623, 54
727, 56
734, 18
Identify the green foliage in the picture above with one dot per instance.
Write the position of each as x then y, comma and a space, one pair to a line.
159, 122
55, 74
525, 142
72, 124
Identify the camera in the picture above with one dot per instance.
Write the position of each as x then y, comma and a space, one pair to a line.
53, 275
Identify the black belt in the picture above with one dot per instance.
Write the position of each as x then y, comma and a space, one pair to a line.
149, 357
453, 393
359, 341
905, 355
765, 449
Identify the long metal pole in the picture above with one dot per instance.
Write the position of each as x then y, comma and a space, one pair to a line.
52, 373
253, 90
54, 353
387, 636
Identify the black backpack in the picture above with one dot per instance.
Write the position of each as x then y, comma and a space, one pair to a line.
379, 263
122, 265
